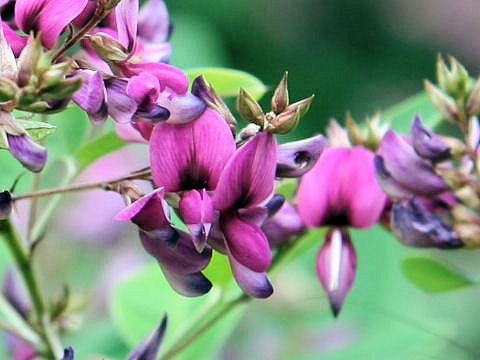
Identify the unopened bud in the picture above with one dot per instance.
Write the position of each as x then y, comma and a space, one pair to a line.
337, 136
463, 214
5, 204
473, 136
469, 233
55, 74
107, 47
473, 102
467, 195
354, 133
286, 122
454, 80
444, 103
280, 96
33, 61
248, 131
303, 106
63, 89
129, 191
249, 108
8, 89
457, 147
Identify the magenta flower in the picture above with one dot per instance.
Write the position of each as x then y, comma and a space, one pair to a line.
340, 191
46, 17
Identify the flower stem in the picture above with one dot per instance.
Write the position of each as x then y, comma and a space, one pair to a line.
24, 265
106, 185
198, 330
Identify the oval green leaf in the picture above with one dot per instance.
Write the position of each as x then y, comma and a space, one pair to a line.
431, 275
227, 82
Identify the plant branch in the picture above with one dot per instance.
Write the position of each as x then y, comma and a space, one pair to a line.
105, 185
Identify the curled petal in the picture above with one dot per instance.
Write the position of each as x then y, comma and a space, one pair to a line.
120, 106
28, 152
48, 17
149, 213
426, 143
336, 267
182, 108
194, 284
182, 258
181, 156
92, 96
409, 169
246, 241
294, 159
144, 88
285, 223
155, 115
414, 225
391, 187
148, 348
153, 22
248, 178
255, 284
275, 204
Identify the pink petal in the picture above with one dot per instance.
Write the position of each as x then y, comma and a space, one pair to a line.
128, 132
17, 42
153, 23
181, 155
143, 88
248, 178
246, 241
336, 267
126, 17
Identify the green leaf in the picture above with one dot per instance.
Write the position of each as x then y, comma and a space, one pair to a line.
140, 301
227, 82
431, 275
288, 188
218, 271
402, 114
98, 147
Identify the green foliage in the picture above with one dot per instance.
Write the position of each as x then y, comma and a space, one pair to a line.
139, 303
431, 275
227, 82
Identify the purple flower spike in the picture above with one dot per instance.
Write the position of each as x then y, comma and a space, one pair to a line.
297, 158
194, 284
426, 143
30, 154
181, 155
92, 96
196, 210
408, 169
341, 190
248, 178
47, 17
254, 283
68, 353
246, 241
5, 204
416, 226
336, 267
148, 348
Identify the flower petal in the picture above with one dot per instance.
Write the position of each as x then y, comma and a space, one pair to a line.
295, 159
389, 185
153, 22
246, 241
120, 106
285, 223
68, 353
17, 42
91, 96
336, 267
194, 284
148, 348
426, 143
182, 108
29, 153
408, 169
248, 178
181, 156
126, 17
144, 88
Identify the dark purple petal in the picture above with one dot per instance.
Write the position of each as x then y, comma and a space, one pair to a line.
92, 96
336, 267
126, 17
182, 108
155, 115
181, 259
275, 204
246, 241
29, 153
194, 284
5, 204
48, 17
196, 211
391, 187
149, 213
120, 106
248, 178
294, 159
181, 156
285, 223
426, 143
409, 169
68, 353
153, 23
255, 284
416, 226
148, 348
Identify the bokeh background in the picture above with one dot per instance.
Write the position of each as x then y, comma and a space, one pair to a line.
360, 56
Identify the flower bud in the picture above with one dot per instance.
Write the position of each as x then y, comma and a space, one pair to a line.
148, 348
354, 132
5, 204
337, 136
473, 136
444, 103
426, 143
286, 122
454, 80
468, 196
8, 89
55, 74
107, 47
473, 102
469, 233
302, 106
280, 96
33, 61
249, 108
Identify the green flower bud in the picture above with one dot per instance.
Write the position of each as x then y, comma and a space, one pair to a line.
108, 48
249, 108
444, 103
8, 89
286, 122
280, 96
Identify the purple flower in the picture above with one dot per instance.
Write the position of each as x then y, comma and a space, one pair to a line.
284, 224
46, 17
148, 348
5, 204
340, 191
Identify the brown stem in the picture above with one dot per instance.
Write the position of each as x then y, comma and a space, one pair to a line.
106, 185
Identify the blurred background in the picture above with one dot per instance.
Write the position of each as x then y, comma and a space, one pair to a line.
359, 56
